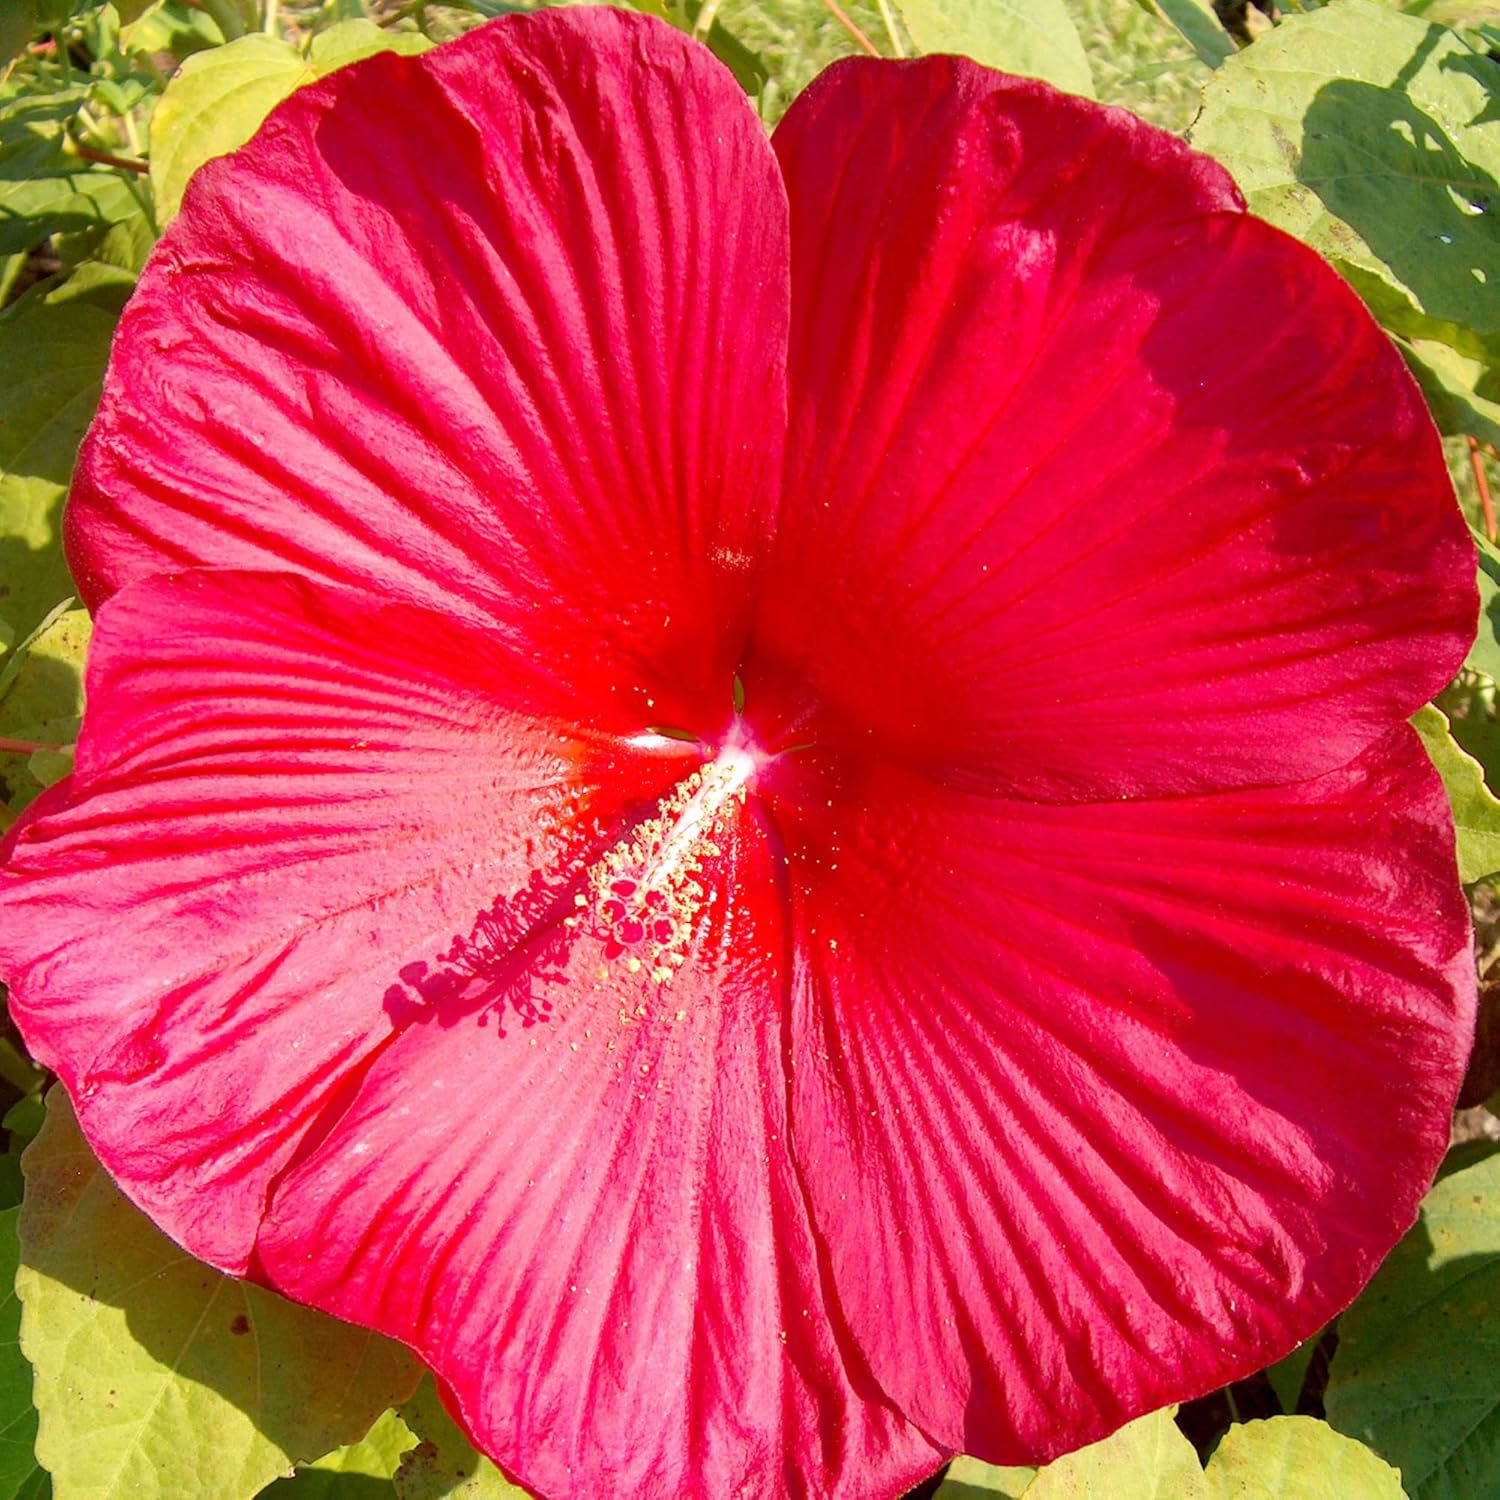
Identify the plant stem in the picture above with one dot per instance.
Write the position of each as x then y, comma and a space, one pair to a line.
1482, 484
891, 31
840, 15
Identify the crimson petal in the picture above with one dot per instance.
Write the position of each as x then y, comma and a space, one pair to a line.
284, 796
1094, 484
1102, 1106
596, 1234
499, 330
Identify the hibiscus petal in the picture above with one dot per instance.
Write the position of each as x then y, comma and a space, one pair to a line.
1094, 483
1100, 1107
287, 802
594, 1233
499, 330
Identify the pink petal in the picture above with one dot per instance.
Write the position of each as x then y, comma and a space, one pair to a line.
499, 330
1101, 1106
594, 1233
288, 800
1094, 484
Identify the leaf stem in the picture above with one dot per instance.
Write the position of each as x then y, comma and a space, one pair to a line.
1482, 484
108, 159
23, 747
889, 20
840, 15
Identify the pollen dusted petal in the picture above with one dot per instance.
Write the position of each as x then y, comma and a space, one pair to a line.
1095, 484
594, 1232
1100, 1107
287, 800
499, 330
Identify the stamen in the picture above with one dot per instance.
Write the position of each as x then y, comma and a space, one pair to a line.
645, 893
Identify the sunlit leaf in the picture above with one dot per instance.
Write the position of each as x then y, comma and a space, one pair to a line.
362, 1471
1148, 1459
1036, 38
1414, 1375
42, 701
18, 1465
157, 1378
1297, 1458
1361, 130
973, 1479
53, 350
1476, 813
1464, 393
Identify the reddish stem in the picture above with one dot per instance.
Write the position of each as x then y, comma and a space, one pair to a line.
845, 20
23, 747
104, 158
1482, 484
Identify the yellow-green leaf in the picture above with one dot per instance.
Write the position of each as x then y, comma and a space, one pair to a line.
1297, 1458
1148, 1459
973, 1479
1476, 812
444, 1465
158, 1378
1035, 38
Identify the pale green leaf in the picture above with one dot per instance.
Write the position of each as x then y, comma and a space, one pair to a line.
42, 702
1484, 654
53, 351
1415, 1375
18, 1463
1035, 38
1361, 130
1297, 1458
1464, 393
218, 99
362, 1471
158, 1378
1476, 813
1148, 1459
973, 1479
444, 1465
1196, 21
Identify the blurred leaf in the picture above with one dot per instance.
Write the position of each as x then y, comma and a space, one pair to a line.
1297, 1458
973, 1479
1476, 813
444, 1465
1036, 38
18, 1463
218, 99
1415, 1375
43, 701
1148, 1459
53, 349
1484, 654
1287, 1376
1361, 131
750, 70
353, 1473
194, 1386
1197, 22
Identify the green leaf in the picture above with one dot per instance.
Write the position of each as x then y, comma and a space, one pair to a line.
53, 350
1198, 24
1414, 1375
1148, 1459
1288, 1375
1360, 130
1476, 813
1297, 1458
444, 1465
1036, 38
362, 1471
1484, 654
1464, 393
158, 1378
18, 1463
43, 701
973, 1479
218, 99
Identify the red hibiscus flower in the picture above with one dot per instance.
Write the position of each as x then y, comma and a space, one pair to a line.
755, 792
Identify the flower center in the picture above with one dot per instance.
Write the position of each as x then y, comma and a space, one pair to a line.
645, 894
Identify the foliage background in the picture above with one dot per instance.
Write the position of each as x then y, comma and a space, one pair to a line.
1368, 128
